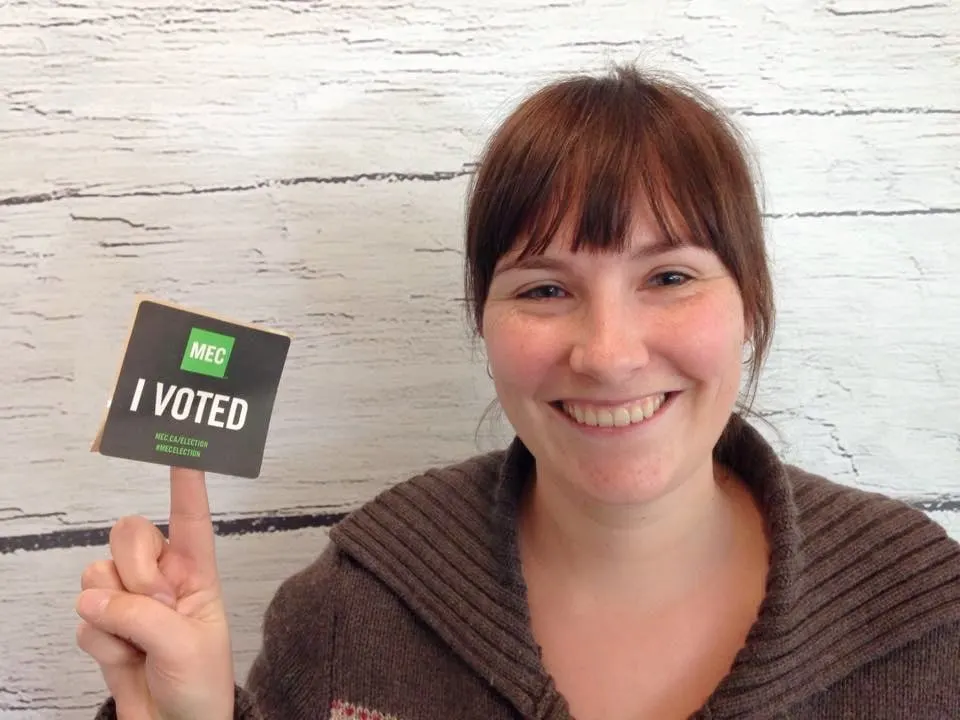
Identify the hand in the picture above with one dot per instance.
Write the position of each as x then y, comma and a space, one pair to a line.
153, 615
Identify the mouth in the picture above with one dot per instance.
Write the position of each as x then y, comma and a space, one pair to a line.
637, 412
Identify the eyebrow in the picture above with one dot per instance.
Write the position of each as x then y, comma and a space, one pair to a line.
546, 262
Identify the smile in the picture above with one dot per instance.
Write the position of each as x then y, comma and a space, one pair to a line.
606, 416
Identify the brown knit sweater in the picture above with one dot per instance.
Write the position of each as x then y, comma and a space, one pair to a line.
417, 608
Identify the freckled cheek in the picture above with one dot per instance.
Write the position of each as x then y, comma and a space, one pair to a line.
522, 352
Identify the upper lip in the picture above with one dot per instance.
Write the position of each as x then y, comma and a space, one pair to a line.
601, 402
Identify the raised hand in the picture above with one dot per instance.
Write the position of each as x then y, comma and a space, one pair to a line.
153, 616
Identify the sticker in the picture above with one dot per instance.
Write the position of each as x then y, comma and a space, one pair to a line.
194, 390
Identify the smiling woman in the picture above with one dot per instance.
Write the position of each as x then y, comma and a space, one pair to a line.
639, 550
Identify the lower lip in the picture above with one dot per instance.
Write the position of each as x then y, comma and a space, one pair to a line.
622, 429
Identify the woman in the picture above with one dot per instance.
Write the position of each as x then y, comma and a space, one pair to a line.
638, 551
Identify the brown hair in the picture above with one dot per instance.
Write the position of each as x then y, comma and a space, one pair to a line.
586, 149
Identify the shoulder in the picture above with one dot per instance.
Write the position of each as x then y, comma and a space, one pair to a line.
304, 606
325, 593
458, 493
429, 506
832, 512
419, 514
868, 559
474, 475
439, 513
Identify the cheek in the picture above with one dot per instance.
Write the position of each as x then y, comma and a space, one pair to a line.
708, 336
522, 351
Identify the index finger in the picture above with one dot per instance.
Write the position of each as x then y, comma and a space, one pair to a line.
191, 527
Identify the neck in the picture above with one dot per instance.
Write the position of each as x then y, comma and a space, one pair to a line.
650, 554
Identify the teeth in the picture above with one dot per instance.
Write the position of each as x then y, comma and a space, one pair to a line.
649, 405
615, 416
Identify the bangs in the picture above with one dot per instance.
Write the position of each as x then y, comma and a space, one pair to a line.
599, 202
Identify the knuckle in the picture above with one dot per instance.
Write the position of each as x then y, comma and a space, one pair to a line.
135, 545
126, 530
99, 574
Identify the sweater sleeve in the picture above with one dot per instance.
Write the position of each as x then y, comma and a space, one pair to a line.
290, 679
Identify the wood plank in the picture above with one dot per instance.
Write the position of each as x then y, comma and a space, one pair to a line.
853, 164
902, 162
269, 91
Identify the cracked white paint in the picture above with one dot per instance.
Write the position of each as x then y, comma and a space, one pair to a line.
304, 165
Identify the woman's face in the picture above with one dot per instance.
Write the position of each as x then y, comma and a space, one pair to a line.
617, 371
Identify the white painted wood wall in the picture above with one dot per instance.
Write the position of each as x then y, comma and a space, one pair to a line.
303, 164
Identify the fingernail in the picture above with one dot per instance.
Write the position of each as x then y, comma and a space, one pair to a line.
166, 599
91, 603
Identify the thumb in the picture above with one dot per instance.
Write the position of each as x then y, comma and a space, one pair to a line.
144, 622
138, 549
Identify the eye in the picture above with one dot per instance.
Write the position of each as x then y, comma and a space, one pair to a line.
544, 292
670, 278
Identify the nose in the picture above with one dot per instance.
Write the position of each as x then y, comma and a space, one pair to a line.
611, 342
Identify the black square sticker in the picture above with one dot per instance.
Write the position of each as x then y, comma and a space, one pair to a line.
194, 391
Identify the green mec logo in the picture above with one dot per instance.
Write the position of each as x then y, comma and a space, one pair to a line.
207, 353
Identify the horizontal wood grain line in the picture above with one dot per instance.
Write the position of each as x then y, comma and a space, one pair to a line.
389, 177
944, 503
871, 212
122, 220
438, 176
849, 112
886, 11
86, 537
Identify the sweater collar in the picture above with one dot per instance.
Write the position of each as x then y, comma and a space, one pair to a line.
446, 543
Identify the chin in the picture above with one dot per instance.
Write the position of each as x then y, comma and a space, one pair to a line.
613, 480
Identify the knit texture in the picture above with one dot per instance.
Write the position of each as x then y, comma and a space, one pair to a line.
417, 609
